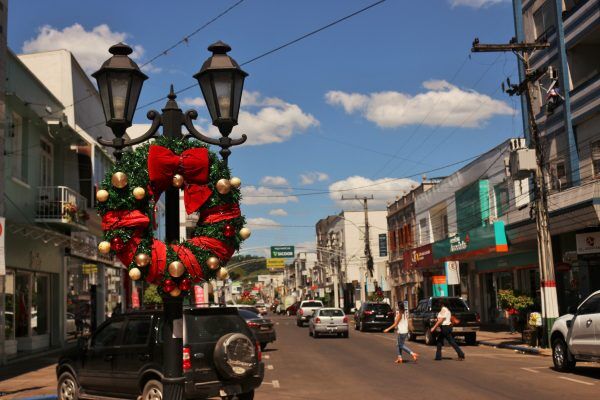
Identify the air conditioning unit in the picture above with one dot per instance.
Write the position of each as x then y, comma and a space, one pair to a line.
522, 163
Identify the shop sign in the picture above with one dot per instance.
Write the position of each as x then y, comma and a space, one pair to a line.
452, 272
588, 243
282, 251
440, 287
275, 263
420, 257
2, 254
198, 294
89, 269
484, 239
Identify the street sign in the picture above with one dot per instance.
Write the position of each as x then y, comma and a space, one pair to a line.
282, 252
275, 263
383, 245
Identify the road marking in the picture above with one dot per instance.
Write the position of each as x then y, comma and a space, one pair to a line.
576, 381
276, 384
269, 366
531, 370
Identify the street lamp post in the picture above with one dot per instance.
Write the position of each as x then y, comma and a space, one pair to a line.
120, 84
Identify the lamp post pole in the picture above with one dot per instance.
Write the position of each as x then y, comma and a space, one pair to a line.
120, 82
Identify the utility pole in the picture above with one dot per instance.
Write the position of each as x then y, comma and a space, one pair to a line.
3, 125
368, 255
544, 239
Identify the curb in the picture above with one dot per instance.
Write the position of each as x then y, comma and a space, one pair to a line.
523, 349
41, 397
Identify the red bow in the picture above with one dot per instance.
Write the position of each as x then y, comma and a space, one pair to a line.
192, 164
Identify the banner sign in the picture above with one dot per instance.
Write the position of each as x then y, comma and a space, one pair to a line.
198, 294
440, 287
135, 298
2, 253
282, 252
587, 243
275, 263
481, 240
383, 245
421, 257
452, 272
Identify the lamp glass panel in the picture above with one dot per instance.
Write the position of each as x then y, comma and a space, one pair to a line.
223, 81
207, 92
119, 83
104, 96
237, 94
134, 95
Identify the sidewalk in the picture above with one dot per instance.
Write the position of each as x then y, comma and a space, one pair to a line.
503, 339
31, 378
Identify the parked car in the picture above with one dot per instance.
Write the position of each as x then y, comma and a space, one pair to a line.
306, 309
576, 336
328, 321
372, 315
293, 309
262, 328
124, 357
248, 307
422, 318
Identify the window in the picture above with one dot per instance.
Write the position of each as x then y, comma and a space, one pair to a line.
543, 19
46, 163
18, 152
444, 226
108, 335
423, 231
558, 176
137, 332
596, 158
591, 306
502, 204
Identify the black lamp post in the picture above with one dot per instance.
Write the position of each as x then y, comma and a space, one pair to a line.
120, 84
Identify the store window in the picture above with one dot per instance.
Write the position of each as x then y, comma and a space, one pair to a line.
543, 19
39, 305
28, 305
22, 312
9, 302
81, 277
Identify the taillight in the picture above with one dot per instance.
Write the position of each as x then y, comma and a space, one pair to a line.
300, 312
258, 352
253, 324
317, 320
368, 312
477, 317
345, 320
187, 359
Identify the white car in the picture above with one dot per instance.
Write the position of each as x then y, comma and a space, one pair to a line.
328, 321
576, 336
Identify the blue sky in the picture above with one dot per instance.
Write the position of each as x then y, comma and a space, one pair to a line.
386, 94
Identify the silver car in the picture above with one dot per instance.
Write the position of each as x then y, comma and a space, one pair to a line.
328, 321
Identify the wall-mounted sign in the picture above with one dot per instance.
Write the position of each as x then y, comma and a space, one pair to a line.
383, 245
588, 243
282, 252
440, 287
481, 240
421, 257
452, 272
275, 263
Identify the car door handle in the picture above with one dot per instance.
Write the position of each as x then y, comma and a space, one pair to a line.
588, 323
198, 356
144, 357
108, 357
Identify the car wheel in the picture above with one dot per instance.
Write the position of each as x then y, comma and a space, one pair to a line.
429, 339
411, 337
362, 327
345, 335
471, 339
356, 325
298, 323
153, 390
315, 335
246, 396
263, 346
561, 356
68, 388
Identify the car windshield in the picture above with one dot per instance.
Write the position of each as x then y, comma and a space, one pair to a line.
454, 304
251, 309
209, 328
247, 315
312, 304
379, 308
331, 313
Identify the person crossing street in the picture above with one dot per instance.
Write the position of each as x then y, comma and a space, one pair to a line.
444, 323
401, 323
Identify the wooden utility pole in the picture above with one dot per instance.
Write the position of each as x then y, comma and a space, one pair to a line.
368, 255
544, 239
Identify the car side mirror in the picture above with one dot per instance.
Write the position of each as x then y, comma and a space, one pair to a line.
569, 323
572, 310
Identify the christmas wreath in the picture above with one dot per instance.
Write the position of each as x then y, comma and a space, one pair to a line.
127, 204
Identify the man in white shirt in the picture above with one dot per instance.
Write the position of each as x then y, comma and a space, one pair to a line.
444, 322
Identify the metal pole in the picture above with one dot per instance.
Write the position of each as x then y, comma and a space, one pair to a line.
3, 45
172, 331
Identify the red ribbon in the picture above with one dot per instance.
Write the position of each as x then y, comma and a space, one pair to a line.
159, 261
192, 164
189, 260
124, 219
220, 213
221, 250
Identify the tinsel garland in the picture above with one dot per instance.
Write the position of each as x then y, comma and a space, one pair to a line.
135, 165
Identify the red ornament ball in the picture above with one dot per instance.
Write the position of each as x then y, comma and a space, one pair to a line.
117, 244
169, 285
229, 231
185, 284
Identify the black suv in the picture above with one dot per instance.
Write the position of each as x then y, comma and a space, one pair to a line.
373, 315
123, 358
423, 317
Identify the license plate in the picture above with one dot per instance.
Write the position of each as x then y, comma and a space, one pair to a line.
458, 329
380, 316
264, 328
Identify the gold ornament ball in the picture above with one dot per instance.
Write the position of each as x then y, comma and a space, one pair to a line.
135, 274
245, 233
213, 263
104, 247
235, 182
176, 269
119, 180
223, 186
175, 292
222, 274
142, 260
177, 180
139, 193
102, 195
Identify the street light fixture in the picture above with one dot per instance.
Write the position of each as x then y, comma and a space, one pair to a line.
120, 83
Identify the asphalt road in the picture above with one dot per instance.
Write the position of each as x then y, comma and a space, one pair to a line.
300, 367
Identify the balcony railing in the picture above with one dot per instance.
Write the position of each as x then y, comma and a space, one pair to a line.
61, 205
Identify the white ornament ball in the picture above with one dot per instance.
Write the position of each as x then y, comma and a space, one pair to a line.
135, 274
245, 233
235, 182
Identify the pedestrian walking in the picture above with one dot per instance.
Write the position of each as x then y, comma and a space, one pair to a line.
444, 323
401, 325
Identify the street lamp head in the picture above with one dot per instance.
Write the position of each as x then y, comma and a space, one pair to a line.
120, 83
222, 80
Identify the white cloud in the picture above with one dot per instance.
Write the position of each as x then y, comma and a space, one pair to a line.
252, 195
278, 212
475, 3
274, 181
383, 190
312, 177
262, 223
193, 101
90, 48
443, 104
309, 245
